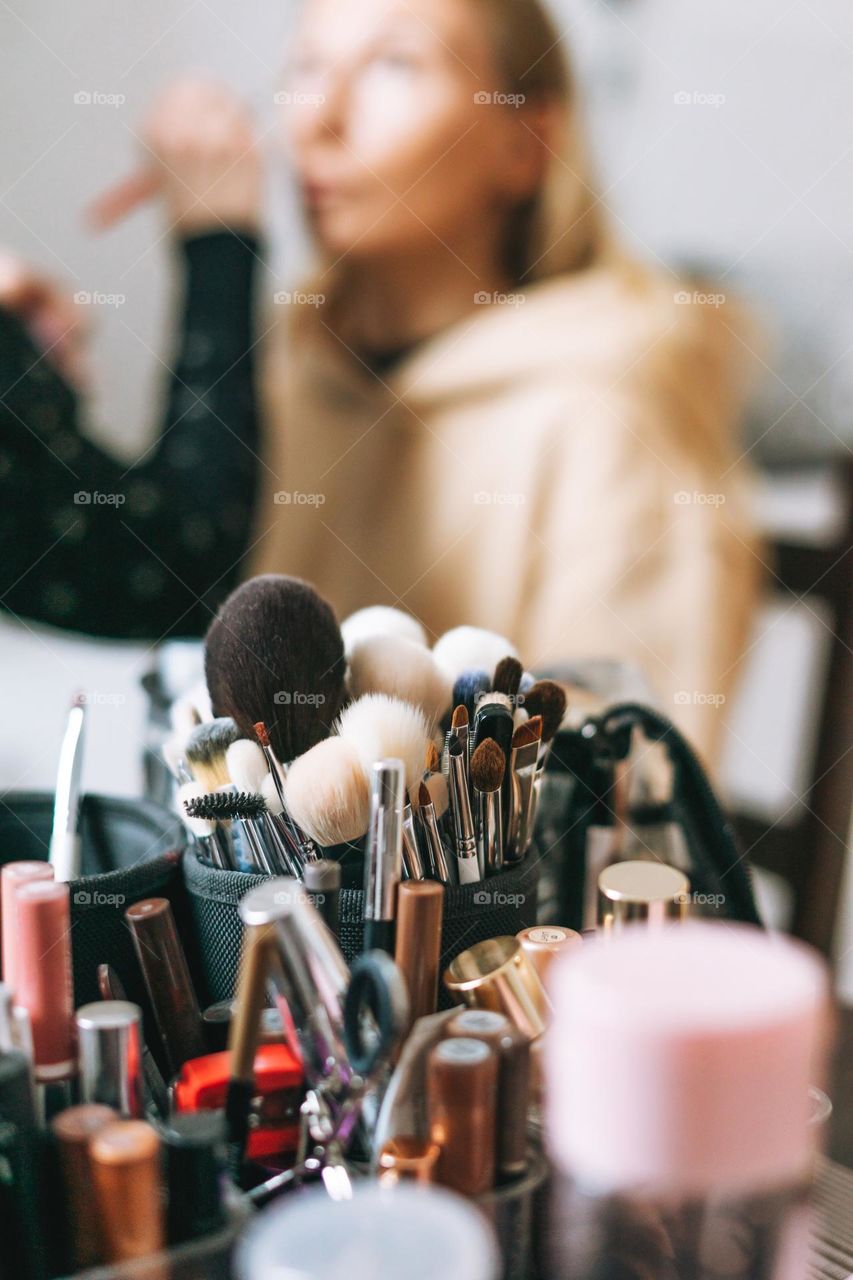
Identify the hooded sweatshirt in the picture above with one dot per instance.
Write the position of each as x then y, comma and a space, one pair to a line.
557, 466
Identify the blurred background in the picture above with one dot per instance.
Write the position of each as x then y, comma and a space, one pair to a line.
724, 141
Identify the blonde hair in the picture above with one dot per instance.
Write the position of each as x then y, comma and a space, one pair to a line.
561, 228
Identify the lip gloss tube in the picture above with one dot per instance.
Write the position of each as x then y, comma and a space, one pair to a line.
44, 976
167, 980
126, 1172
12, 876
513, 1101
73, 1131
109, 1038
420, 908
462, 1079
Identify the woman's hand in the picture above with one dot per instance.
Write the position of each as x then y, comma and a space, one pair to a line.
201, 155
53, 320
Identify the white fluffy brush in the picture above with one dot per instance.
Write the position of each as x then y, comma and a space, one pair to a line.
247, 765
402, 669
470, 649
327, 793
380, 620
201, 828
383, 728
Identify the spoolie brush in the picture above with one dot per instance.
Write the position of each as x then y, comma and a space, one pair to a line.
275, 653
227, 806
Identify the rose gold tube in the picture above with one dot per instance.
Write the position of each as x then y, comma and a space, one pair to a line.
126, 1170
420, 908
462, 1079
73, 1130
512, 1050
408, 1160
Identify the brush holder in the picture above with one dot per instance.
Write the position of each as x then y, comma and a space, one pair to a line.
505, 903
130, 851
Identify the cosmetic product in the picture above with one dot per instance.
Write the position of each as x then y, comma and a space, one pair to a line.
544, 943
242, 813
258, 910
12, 876
549, 701
109, 1044
420, 910
468, 690
303, 848
678, 1115
439, 865
73, 1130
380, 620
206, 749
408, 1159
497, 975
383, 728
494, 719
43, 978
462, 1076
248, 770
125, 1158
468, 649
167, 980
459, 731
488, 765
194, 1146
413, 863
523, 791
400, 668
111, 987
65, 850
507, 678
214, 847
322, 882
512, 1050
25, 1241
327, 793
15, 1030
650, 893
407, 1233
383, 859
464, 837
275, 653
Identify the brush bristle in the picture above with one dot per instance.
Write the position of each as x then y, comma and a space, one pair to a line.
548, 700
507, 677
225, 806
461, 718
275, 653
423, 796
380, 620
383, 728
528, 733
436, 785
469, 688
433, 758
400, 668
469, 648
270, 795
488, 766
247, 765
327, 793
206, 748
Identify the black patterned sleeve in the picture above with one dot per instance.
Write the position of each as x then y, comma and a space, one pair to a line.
148, 550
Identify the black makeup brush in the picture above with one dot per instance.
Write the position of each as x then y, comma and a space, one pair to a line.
225, 806
275, 653
507, 678
494, 719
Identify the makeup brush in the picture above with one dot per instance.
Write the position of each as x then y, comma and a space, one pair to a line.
432, 759
301, 845
206, 749
249, 772
383, 860
413, 861
382, 728
402, 669
227, 806
465, 838
494, 719
380, 620
65, 851
488, 766
275, 653
327, 793
436, 785
465, 648
203, 831
507, 678
524, 792
174, 751
440, 865
548, 700
469, 688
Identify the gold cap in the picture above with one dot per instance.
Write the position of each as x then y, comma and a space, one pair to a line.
498, 975
649, 893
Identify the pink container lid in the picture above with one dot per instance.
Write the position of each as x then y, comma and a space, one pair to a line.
680, 1060
12, 876
44, 974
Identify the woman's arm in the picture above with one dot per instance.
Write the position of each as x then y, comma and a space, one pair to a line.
145, 551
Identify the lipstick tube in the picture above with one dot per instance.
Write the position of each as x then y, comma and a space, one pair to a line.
156, 1096
125, 1159
109, 1041
44, 977
465, 839
384, 854
462, 1079
513, 1101
420, 909
167, 980
12, 876
73, 1131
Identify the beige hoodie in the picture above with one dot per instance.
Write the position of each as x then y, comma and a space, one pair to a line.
556, 466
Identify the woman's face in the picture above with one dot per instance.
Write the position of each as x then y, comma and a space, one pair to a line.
393, 145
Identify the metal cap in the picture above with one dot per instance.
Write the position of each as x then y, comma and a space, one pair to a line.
109, 1037
641, 892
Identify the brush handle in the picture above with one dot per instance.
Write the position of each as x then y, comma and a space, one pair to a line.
469, 868
379, 936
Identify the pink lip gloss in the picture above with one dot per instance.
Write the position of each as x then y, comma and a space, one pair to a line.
44, 980
12, 876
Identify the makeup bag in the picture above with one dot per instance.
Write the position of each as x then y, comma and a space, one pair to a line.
502, 904
130, 851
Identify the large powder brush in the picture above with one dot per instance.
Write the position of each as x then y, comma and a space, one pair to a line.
274, 652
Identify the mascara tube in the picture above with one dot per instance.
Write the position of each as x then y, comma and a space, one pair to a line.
384, 856
167, 980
